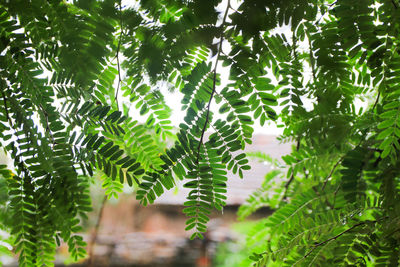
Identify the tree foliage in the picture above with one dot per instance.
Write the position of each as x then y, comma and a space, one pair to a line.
71, 71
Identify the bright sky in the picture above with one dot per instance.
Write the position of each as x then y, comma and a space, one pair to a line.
173, 100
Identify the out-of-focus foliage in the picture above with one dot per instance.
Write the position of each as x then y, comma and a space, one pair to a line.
235, 252
71, 71
339, 205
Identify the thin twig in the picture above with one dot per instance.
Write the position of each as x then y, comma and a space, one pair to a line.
337, 164
287, 184
322, 15
342, 233
335, 193
294, 40
333, 238
95, 233
376, 101
6, 108
334, 3
312, 61
48, 130
394, 4
117, 56
214, 82
331, 172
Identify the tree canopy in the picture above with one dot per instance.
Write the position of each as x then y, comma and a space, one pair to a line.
72, 71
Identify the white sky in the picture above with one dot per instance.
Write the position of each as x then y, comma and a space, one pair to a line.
173, 100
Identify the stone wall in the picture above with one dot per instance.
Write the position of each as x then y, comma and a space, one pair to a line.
132, 235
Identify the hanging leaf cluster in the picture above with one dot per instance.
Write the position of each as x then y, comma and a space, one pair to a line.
73, 73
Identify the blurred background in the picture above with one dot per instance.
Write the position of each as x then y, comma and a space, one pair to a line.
121, 232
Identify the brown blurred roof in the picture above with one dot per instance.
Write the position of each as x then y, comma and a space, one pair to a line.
239, 189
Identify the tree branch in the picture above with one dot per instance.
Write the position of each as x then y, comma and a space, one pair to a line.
337, 164
376, 101
6, 108
394, 4
342, 233
46, 116
322, 15
331, 172
117, 56
333, 238
214, 81
312, 61
294, 43
287, 184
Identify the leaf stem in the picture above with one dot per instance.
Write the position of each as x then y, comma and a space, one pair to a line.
6, 109
312, 60
214, 82
376, 101
331, 172
333, 238
117, 55
287, 184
